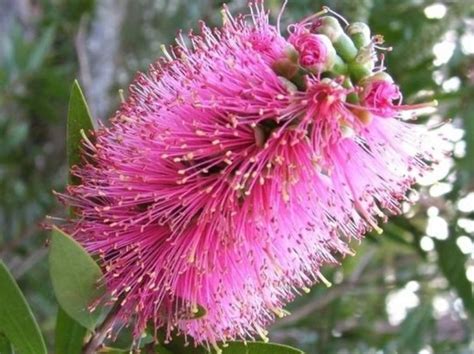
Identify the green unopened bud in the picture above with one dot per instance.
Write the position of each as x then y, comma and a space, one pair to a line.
339, 67
330, 27
360, 34
351, 97
366, 57
341, 41
359, 71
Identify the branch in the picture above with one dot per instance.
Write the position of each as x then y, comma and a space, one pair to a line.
99, 336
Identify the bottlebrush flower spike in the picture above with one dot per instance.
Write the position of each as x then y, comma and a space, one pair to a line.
225, 182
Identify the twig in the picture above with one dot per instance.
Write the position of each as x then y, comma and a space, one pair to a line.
337, 291
25, 235
329, 296
99, 336
29, 262
314, 305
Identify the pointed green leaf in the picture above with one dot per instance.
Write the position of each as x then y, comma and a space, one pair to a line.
236, 347
452, 261
75, 276
414, 329
159, 349
199, 312
69, 336
239, 347
5, 345
110, 350
40, 50
17, 322
79, 118
147, 349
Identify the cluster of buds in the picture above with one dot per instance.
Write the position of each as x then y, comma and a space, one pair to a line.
319, 46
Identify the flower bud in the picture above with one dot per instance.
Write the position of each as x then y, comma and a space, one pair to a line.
291, 53
285, 67
316, 51
360, 34
359, 71
344, 46
330, 27
380, 76
380, 93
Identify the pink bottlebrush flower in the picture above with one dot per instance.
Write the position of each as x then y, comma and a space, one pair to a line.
220, 185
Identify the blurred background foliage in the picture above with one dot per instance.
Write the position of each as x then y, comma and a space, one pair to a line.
407, 291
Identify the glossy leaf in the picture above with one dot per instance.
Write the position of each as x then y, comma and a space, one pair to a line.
176, 346
5, 345
41, 49
69, 336
79, 119
452, 261
109, 350
69, 333
414, 328
239, 347
75, 276
468, 111
158, 349
17, 322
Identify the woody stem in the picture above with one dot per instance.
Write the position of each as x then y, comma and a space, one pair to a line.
97, 339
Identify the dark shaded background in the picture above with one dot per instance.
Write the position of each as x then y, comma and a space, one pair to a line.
407, 291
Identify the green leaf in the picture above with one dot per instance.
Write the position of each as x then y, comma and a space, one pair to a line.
159, 349
179, 345
41, 49
110, 350
200, 312
452, 261
239, 347
195, 314
17, 322
414, 328
148, 349
5, 345
79, 119
69, 335
467, 112
75, 276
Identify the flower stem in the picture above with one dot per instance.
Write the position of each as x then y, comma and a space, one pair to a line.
97, 339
